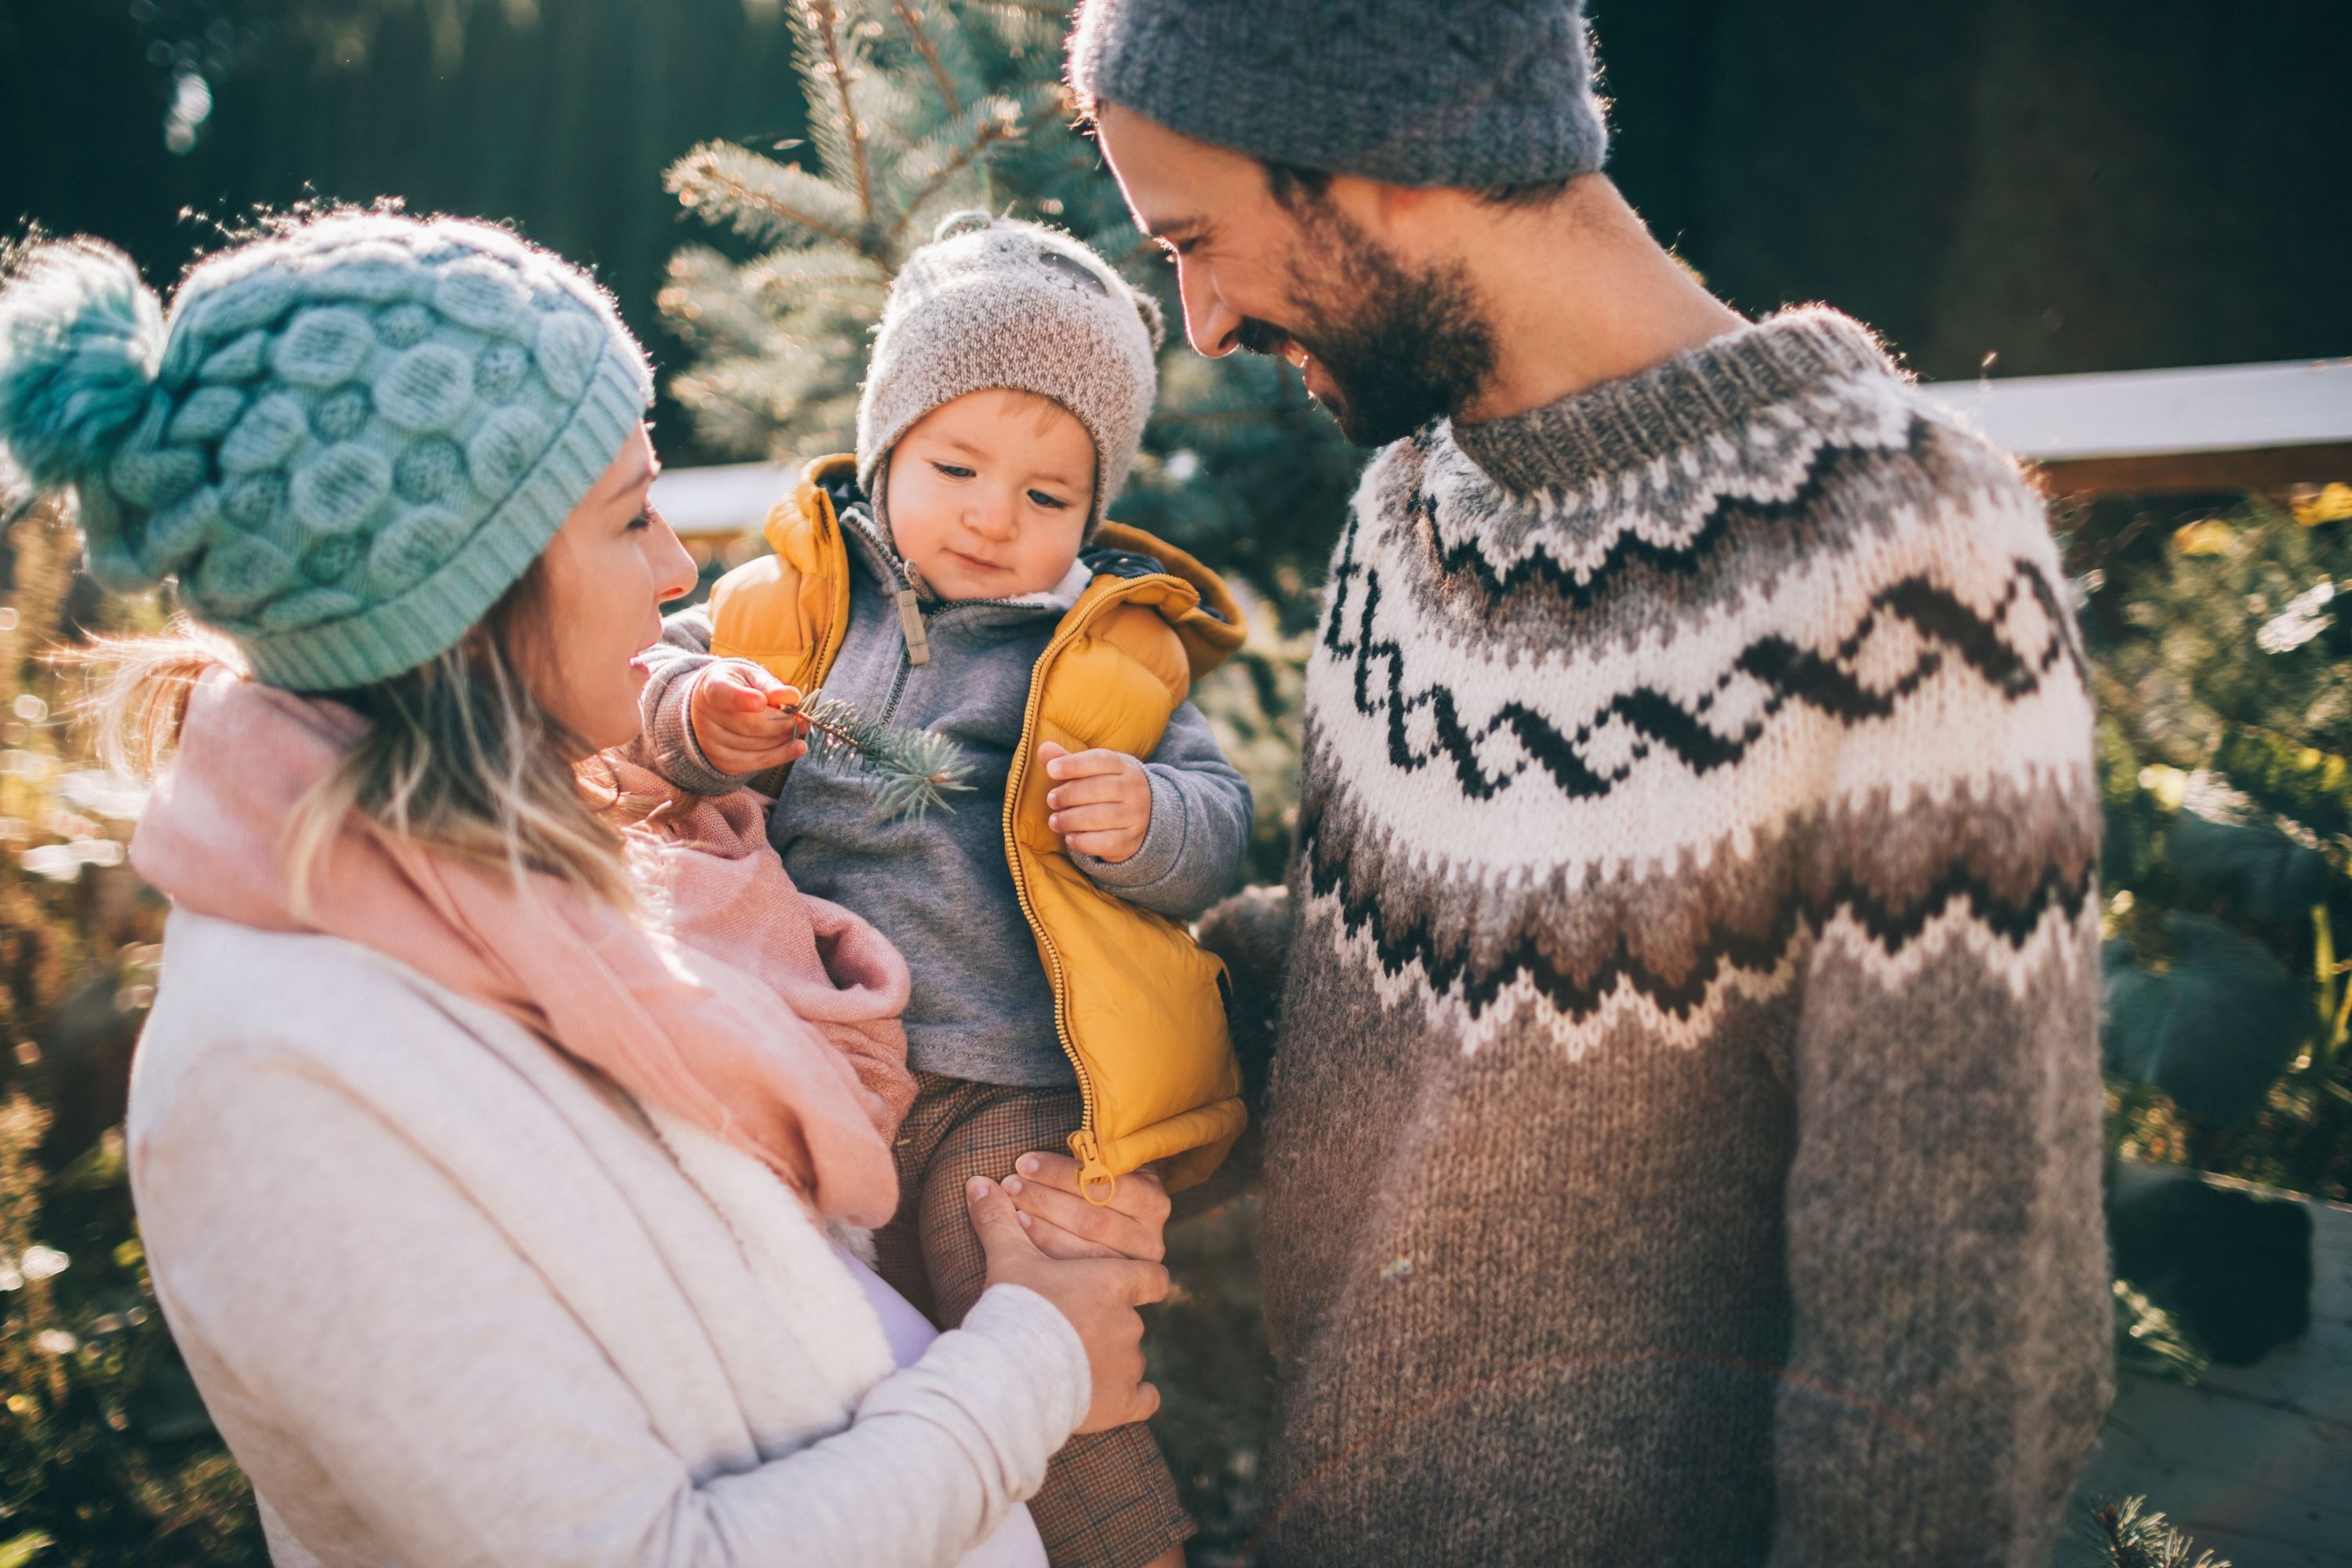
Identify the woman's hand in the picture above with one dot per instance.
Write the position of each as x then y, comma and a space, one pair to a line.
738, 712
1099, 1296
1045, 1188
1101, 804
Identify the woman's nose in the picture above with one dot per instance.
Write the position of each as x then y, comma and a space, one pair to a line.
675, 572
1212, 326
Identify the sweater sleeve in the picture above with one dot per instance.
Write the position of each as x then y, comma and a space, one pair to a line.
392, 1371
677, 662
1191, 854
1947, 1260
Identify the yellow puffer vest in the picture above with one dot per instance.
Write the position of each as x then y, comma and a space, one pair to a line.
1139, 1007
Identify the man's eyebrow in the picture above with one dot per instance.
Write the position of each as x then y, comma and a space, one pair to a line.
1173, 230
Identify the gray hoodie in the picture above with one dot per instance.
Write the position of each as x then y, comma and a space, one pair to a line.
981, 1008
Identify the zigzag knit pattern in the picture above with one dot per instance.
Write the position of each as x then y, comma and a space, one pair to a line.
1698, 768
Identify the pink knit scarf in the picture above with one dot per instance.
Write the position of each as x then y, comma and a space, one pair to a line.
765, 1017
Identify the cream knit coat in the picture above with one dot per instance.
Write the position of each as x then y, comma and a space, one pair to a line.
453, 1300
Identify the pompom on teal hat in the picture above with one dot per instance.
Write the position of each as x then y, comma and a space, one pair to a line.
345, 440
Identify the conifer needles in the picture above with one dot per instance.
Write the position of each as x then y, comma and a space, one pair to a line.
917, 769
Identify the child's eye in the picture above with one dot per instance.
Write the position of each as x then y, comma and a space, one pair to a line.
953, 471
1051, 503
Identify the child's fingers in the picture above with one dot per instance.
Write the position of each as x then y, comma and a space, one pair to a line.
1065, 764
759, 725
1097, 1230
733, 686
1126, 789
1110, 817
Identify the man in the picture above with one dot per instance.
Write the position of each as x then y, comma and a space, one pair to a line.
1684, 1131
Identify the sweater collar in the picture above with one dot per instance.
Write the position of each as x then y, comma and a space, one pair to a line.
1674, 405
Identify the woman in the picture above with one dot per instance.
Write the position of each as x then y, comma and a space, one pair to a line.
487, 1218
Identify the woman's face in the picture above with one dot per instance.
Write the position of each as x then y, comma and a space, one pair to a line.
603, 581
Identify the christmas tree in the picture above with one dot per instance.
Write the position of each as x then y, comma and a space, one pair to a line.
916, 111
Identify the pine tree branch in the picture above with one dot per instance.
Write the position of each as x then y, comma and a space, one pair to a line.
990, 132
825, 16
702, 173
923, 46
916, 769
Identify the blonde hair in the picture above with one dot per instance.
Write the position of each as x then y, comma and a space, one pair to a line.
457, 755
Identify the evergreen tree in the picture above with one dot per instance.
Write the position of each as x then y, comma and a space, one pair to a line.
916, 109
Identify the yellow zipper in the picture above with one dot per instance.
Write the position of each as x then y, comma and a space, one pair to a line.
1095, 1181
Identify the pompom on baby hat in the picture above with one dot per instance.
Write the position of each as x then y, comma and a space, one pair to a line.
346, 439
995, 302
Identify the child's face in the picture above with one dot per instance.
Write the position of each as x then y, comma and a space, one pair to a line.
989, 494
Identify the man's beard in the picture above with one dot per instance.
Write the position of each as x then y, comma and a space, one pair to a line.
1400, 348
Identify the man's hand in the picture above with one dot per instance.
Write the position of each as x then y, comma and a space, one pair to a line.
1099, 1296
737, 710
1101, 804
1045, 1188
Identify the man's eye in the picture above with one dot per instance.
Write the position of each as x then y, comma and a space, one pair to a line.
953, 471
1051, 503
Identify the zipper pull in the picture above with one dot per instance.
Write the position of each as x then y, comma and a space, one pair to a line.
1095, 1180
911, 623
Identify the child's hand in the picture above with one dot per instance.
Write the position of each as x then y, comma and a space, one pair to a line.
1103, 807
736, 710
1054, 1210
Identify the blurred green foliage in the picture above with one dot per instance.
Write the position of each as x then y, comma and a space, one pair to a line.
107, 1459
2225, 701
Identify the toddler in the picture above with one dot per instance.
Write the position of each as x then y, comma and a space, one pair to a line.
956, 574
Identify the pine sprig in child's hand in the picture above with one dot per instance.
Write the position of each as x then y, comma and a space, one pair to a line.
917, 769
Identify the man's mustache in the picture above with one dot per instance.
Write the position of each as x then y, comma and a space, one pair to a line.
1260, 337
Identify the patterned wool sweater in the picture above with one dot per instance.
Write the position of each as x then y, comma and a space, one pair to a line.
1684, 1131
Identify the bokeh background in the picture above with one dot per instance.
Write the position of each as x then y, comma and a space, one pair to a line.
2000, 188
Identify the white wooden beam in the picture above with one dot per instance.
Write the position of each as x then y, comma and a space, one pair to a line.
2151, 413
2208, 427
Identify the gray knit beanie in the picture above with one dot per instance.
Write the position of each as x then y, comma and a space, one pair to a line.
1475, 93
995, 302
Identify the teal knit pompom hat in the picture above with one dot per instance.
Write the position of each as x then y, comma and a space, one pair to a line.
346, 439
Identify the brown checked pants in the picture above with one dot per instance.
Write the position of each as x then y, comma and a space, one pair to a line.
1108, 1500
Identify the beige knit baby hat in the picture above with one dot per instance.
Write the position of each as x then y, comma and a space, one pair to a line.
997, 302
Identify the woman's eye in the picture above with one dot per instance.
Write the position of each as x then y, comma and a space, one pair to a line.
644, 520
1051, 503
953, 471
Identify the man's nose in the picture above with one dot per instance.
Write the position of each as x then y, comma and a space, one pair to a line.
1212, 326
